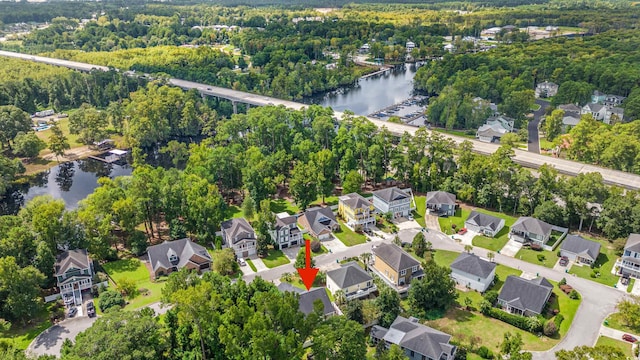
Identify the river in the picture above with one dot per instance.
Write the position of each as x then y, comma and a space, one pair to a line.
73, 181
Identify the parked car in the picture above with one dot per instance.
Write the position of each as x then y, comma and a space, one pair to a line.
242, 262
564, 261
72, 312
462, 231
629, 338
624, 280
410, 217
91, 309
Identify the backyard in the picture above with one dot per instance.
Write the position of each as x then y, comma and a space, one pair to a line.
542, 257
348, 236
135, 270
421, 208
565, 306
605, 262
284, 205
623, 346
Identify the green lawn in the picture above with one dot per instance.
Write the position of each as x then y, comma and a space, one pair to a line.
501, 273
282, 205
328, 200
624, 346
535, 107
605, 262
232, 212
348, 236
444, 257
546, 144
630, 286
134, 269
253, 267
463, 133
566, 306
421, 208
615, 321
528, 255
275, 258
445, 222
21, 336
487, 331
501, 238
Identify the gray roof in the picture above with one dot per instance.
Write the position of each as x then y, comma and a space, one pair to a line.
633, 243
483, 220
391, 194
581, 246
424, 340
238, 229
569, 108
70, 259
307, 298
184, 249
617, 111
320, 219
532, 225
355, 201
473, 264
394, 256
594, 107
570, 120
290, 288
282, 222
491, 131
441, 197
525, 294
349, 274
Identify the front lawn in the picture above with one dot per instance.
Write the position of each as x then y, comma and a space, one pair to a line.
136, 271
348, 236
605, 262
502, 237
421, 208
275, 258
528, 255
445, 222
250, 263
501, 273
565, 306
615, 321
630, 286
623, 346
445, 257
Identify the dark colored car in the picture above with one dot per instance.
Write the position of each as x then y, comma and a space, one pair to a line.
564, 261
72, 312
629, 338
91, 309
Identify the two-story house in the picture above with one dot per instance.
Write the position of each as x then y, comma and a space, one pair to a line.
285, 232
319, 222
419, 342
392, 200
546, 89
395, 266
471, 271
524, 297
441, 203
630, 262
240, 236
357, 212
530, 230
74, 273
352, 280
174, 255
598, 111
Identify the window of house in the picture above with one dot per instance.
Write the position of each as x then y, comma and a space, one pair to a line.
414, 269
403, 272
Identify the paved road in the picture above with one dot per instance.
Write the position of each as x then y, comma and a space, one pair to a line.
524, 158
533, 127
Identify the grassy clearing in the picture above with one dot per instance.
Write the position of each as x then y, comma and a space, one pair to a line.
623, 346
21, 336
605, 262
470, 134
444, 257
328, 201
63, 124
531, 256
284, 205
275, 259
253, 267
458, 219
546, 144
421, 208
348, 236
136, 271
233, 212
615, 321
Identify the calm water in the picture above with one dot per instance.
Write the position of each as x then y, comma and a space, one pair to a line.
73, 181
373, 93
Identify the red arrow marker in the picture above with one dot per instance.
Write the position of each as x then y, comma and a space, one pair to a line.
308, 274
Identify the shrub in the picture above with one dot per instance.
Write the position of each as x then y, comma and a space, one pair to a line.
491, 296
562, 282
316, 246
485, 353
558, 320
109, 299
534, 324
127, 287
550, 328
518, 321
541, 257
461, 353
574, 295
558, 253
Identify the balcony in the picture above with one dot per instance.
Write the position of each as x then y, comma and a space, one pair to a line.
361, 293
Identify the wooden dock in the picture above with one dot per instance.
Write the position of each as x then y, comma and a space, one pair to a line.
109, 159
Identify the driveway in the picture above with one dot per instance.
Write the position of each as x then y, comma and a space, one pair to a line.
511, 248
467, 238
334, 245
257, 262
533, 126
431, 221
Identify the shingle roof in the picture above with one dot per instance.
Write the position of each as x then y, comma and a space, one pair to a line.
473, 264
595, 107
391, 194
285, 221
441, 197
483, 220
581, 246
307, 298
487, 130
238, 229
348, 275
355, 201
320, 219
424, 340
184, 249
77, 258
525, 294
290, 288
395, 257
569, 108
570, 120
633, 243
532, 225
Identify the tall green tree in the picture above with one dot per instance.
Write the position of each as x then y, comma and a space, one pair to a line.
303, 184
58, 143
435, 291
28, 145
19, 291
339, 338
12, 121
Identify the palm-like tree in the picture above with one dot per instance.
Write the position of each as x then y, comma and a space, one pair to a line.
468, 248
340, 297
491, 256
366, 257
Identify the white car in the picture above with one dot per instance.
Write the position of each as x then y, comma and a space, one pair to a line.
242, 262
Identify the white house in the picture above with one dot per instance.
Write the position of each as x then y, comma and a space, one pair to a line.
579, 249
410, 45
598, 111
473, 272
352, 280
546, 89
285, 232
484, 224
399, 202
630, 264
74, 273
240, 236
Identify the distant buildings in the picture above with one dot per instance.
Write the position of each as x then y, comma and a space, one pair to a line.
546, 89
495, 128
